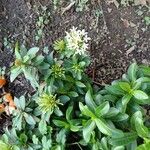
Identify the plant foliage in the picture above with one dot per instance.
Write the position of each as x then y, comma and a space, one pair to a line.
67, 110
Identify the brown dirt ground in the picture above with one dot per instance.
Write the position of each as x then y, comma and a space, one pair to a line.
119, 35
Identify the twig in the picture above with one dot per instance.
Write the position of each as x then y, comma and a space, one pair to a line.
97, 83
93, 71
76, 143
104, 20
67, 8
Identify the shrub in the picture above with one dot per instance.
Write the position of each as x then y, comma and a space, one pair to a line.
67, 110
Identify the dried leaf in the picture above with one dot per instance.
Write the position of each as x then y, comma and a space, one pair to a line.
2, 82
8, 97
2, 108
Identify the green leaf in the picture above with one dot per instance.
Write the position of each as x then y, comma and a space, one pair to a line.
31, 77
46, 143
68, 113
104, 143
85, 111
15, 71
112, 112
103, 127
132, 70
140, 128
64, 99
4, 146
125, 86
125, 139
114, 89
138, 94
143, 80
80, 84
120, 117
102, 109
29, 119
32, 52
87, 130
60, 123
23, 138
17, 121
125, 99
74, 128
17, 54
73, 94
89, 101
137, 121
61, 137
35, 139
42, 127
20, 103
145, 70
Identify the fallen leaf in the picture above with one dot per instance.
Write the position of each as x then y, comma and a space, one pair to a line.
2, 108
2, 82
67, 8
11, 103
8, 97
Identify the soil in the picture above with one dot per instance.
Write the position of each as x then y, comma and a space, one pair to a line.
119, 35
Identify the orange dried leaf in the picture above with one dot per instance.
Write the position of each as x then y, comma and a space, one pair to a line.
12, 104
8, 97
2, 108
2, 82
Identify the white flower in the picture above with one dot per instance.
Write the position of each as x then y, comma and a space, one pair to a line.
77, 40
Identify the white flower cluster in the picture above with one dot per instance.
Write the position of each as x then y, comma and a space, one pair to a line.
77, 40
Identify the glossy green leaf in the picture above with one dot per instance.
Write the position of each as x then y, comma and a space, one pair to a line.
89, 100
112, 112
125, 86
140, 128
20, 103
42, 127
102, 109
17, 54
115, 90
15, 71
125, 99
85, 111
145, 70
80, 84
125, 139
69, 113
137, 121
32, 52
87, 130
73, 94
64, 98
103, 127
29, 119
132, 70
138, 94
60, 123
